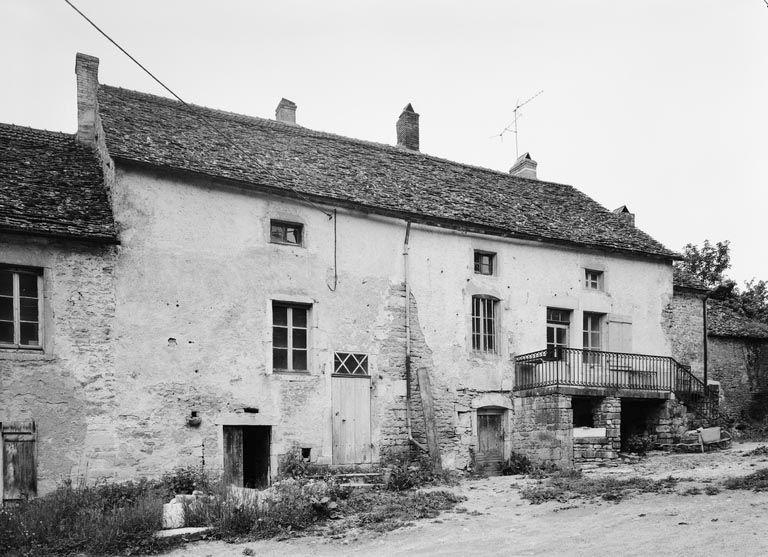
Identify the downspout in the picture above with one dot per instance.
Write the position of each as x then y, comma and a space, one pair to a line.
704, 312
408, 340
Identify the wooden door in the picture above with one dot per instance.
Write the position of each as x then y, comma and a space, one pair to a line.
18, 455
233, 455
351, 418
490, 442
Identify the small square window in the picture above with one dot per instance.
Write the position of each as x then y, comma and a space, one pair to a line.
593, 280
281, 232
484, 262
345, 363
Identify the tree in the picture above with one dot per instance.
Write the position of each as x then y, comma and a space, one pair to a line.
707, 263
754, 300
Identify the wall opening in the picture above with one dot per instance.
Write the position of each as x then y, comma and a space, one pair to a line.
639, 417
246, 455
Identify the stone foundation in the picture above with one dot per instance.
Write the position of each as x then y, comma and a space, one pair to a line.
543, 429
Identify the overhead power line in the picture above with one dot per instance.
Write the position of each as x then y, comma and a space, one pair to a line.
197, 113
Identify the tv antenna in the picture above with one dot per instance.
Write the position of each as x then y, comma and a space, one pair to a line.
512, 126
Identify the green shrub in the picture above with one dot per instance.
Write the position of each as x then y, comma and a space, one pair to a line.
757, 481
185, 480
293, 465
638, 444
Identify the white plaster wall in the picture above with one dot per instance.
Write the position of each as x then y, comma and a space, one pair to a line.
195, 265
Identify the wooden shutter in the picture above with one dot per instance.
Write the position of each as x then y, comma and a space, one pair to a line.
18, 453
619, 336
233, 455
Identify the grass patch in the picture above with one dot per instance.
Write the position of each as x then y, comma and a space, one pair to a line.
757, 481
762, 450
564, 486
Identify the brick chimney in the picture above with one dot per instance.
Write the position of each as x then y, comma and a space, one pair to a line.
87, 72
286, 111
525, 167
625, 215
408, 129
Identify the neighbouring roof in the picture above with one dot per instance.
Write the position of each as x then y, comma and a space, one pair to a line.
685, 280
725, 321
379, 178
51, 185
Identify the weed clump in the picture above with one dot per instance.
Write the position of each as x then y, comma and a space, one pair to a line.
563, 486
757, 481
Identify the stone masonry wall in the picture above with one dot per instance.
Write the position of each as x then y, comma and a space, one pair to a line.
683, 321
741, 367
542, 429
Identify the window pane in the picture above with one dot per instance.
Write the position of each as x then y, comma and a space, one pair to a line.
29, 334
6, 332
299, 317
28, 285
299, 338
276, 232
550, 335
300, 360
280, 358
28, 309
6, 283
279, 314
280, 337
293, 234
6, 309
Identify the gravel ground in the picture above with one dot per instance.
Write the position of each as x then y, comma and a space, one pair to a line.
496, 521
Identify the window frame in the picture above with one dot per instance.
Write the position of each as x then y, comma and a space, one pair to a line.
299, 226
16, 309
492, 266
483, 341
597, 283
558, 322
289, 327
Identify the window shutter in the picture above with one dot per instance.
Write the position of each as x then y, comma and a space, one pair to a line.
619, 336
17, 445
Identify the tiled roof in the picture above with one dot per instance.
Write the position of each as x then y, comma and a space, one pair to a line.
379, 178
51, 185
725, 321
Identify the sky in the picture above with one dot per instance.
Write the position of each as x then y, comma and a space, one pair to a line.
659, 105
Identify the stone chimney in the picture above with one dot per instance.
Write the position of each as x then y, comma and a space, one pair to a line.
408, 129
87, 72
525, 167
625, 215
286, 111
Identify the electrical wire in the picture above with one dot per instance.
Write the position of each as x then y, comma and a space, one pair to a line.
198, 114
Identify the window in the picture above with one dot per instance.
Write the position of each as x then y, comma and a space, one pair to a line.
345, 363
483, 324
593, 280
289, 336
583, 411
20, 308
558, 325
592, 338
281, 232
484, 262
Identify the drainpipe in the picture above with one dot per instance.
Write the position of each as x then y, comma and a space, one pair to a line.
704, 312
408, 339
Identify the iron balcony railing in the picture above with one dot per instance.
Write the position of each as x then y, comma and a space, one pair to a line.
596, 368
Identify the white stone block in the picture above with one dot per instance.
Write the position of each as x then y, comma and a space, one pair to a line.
173, 515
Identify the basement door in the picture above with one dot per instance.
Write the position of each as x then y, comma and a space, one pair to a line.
246, 455
17, 461
490, 441
351, 413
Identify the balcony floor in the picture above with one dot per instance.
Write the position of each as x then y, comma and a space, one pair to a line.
573, 390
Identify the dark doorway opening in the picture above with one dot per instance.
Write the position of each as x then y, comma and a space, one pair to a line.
246, 455
584, 411
639, 417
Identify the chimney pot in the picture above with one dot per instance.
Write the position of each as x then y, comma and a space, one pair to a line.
87, 73
408, 129
286, 111
525, 167
623, 213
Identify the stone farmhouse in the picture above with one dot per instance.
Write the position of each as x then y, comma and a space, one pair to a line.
171, 295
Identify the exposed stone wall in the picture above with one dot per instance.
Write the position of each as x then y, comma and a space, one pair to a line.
608, 415
542, 429
741, 367
592, 449
683, 320
69, 388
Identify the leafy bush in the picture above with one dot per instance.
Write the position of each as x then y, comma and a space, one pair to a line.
107, 518
293, 465
383, 511
639, 444
571, 485
406, 474
517, 464
185, 480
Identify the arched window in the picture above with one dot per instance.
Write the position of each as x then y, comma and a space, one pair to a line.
484, 324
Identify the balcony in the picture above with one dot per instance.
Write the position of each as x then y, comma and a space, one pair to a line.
596, 369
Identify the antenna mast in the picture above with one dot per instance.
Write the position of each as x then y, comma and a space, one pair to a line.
512, 126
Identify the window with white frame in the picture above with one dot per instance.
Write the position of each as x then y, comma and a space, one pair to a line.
289, 336
558, 332
484, 326
593, 280
21, 308
592, 336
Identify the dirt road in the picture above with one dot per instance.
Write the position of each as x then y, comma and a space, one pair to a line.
496, 521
